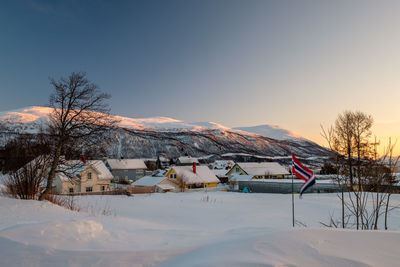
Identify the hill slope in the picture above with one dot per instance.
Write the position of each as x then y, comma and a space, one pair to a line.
150, 137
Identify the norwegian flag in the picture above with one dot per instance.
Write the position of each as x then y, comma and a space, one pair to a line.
304, 173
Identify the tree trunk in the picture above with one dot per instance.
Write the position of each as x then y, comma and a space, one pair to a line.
386, 211
343, 208
52, 173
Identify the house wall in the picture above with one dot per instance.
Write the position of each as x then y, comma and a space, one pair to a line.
63, 187
239, 171
125, 175
58, 185
170, 182
211, 184
269, 176
235, 170
178, 181
96, 183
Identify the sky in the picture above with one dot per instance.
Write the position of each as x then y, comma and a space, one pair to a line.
297, 64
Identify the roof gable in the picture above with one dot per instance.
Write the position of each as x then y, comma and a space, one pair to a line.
126, 164
263, 168
97, 165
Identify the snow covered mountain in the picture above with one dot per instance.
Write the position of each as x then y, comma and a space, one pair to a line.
272, 131
150, 137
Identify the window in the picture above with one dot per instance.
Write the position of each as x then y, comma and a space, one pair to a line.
103, 188
89, 175
237, 169
71, 189
89, 189
172, 176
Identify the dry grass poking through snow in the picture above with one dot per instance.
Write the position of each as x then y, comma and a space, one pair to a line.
69, 203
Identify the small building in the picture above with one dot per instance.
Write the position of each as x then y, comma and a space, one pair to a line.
222, 164
259, 170
236, 178
126, 169
221, 175
158, 183
190, 177
186, 161
91, 176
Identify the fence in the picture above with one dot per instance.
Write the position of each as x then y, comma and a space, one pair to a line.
112, 192
286, 187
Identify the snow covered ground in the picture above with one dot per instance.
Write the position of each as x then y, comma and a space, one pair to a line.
189, 229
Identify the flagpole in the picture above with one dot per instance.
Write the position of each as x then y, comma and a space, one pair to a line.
292, 202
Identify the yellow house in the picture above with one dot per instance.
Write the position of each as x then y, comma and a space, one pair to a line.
188, 177
92, 176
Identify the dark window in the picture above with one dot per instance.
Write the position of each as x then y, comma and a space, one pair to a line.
89, 175
89, 189
71, 189
103, 188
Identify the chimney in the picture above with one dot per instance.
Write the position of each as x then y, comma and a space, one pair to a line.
194, 167
84, 159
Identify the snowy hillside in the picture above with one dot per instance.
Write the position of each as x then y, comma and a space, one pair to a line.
272, 131
189, 229
169, 137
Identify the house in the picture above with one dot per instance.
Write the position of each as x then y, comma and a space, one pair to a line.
260, 170
221, 175
157, 183
222, 164
236, 178
186, 161
189, 177
89, 176
126, 169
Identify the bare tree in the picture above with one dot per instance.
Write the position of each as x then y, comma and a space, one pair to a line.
364, 178
26, 182
23, 149
80, 118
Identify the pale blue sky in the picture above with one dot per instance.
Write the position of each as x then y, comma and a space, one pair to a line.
239, 63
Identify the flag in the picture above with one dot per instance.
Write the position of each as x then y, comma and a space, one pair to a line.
304, 173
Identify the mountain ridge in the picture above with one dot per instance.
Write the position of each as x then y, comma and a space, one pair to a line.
150, 137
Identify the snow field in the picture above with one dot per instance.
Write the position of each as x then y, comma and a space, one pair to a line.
189, 229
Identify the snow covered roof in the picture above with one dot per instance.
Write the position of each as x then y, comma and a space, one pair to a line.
187, 160
222, 164
237, 178
148, 181
102, 168
165, 186
126, 164
263, 168
203, 174
219, 173
99, 166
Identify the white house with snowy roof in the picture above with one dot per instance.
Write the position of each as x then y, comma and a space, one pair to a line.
189, 177
259, 170
126, 169
89, 176
159, 183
